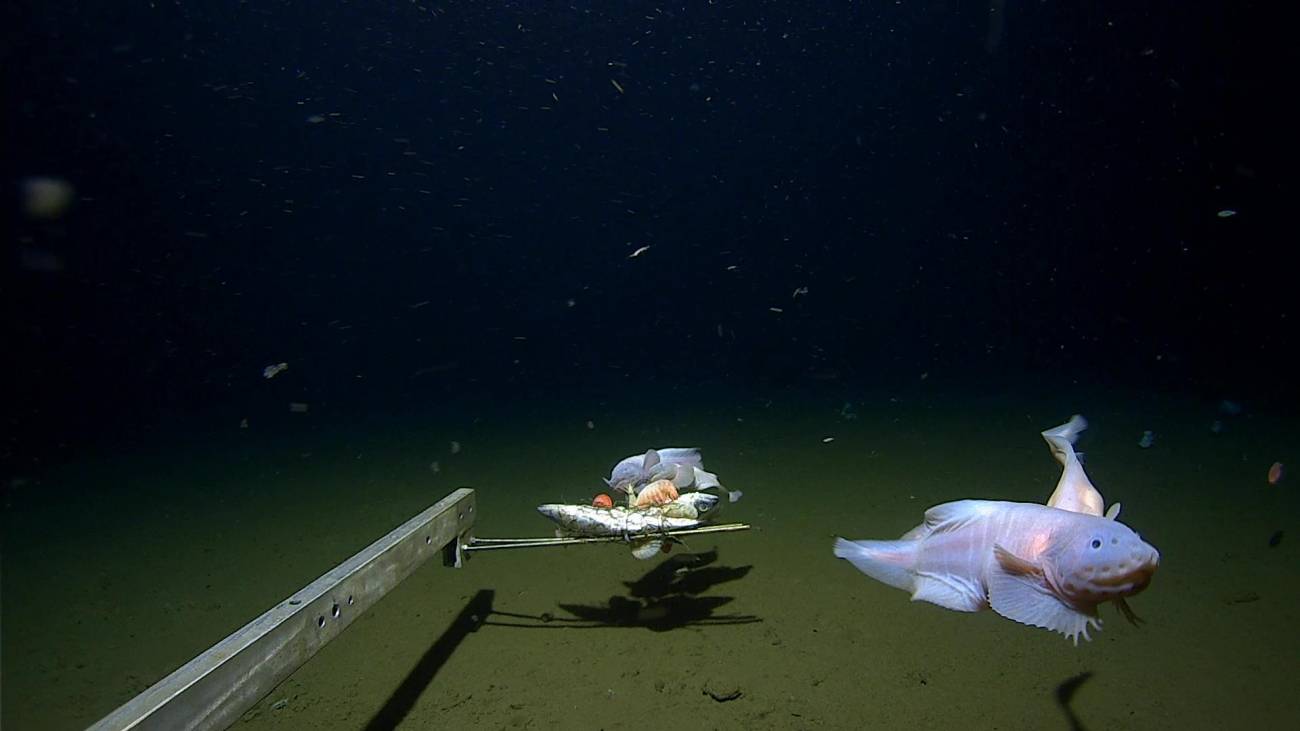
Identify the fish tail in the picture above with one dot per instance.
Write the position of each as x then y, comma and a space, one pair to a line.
885, 561
1062, 438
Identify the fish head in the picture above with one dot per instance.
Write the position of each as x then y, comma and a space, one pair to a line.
1101, 560
694, 505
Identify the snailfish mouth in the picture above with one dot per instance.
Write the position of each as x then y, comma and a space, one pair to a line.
1141, 577
1126, 581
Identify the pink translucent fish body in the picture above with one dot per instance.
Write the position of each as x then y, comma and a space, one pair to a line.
1038, 565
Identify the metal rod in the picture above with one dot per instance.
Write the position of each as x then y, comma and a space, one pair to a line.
499, 544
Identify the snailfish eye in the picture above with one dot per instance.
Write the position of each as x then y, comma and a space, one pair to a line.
1096, 543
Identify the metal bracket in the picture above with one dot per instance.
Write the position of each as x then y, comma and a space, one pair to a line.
214, 689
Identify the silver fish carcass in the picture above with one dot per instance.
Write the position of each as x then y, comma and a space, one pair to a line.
696, 499
644, 528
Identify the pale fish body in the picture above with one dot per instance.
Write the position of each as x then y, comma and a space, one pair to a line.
655, 464
683, 466
1038, 565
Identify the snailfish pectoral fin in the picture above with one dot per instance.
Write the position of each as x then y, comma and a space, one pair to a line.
683, 476
1013, 564
1018, 590
704, 479
1113, 511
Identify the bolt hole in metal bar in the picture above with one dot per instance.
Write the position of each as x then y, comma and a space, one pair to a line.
214, 689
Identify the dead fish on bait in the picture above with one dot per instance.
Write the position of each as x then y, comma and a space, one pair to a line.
643, 527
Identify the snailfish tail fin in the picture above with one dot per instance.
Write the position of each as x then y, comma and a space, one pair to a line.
1062, 438
1074, 491
885, 561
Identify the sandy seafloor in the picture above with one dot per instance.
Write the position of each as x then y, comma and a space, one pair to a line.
125, 563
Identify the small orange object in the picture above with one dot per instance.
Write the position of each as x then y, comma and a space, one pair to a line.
602, 501
1275, 473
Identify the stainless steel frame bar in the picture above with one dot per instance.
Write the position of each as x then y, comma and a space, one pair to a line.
214, 689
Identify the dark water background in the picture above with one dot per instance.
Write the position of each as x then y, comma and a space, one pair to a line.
964, 221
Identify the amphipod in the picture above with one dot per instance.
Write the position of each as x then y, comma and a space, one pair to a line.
660, 492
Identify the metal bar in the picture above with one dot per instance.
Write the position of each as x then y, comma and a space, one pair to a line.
500, 544
214, 689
